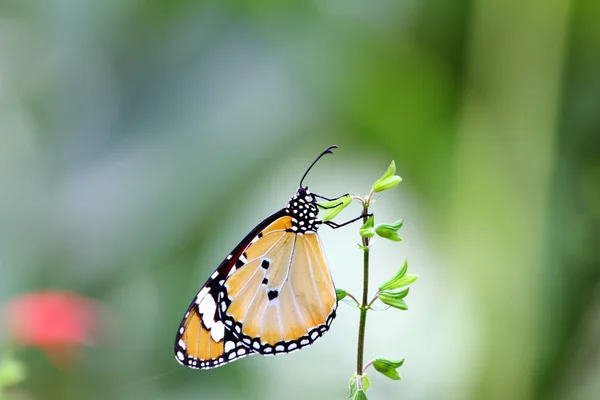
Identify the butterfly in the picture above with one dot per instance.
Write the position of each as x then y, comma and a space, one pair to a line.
272, 294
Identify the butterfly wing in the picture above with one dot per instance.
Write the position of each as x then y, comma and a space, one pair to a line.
202, 340
199, 346
273, 294
283, 298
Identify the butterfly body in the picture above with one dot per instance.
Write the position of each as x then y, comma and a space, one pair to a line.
272, 294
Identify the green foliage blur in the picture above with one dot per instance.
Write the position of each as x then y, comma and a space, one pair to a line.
141, 140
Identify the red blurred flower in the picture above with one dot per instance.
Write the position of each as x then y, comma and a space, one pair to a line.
55, 321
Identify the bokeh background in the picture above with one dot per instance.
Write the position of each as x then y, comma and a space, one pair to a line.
141, 139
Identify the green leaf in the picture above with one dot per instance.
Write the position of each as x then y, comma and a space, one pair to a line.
390, 171
392, 282
360, 395
388, 180
406, 280
365, 382
363, 248
367, 230
390, 231
399, 280
333, 208
396, 225
394, 299
352, 386
386, 184
340, 294
388, 368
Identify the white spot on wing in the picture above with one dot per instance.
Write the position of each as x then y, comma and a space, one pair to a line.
201, 294
229, 346
207, 308
217, 331
180, 356
182, 344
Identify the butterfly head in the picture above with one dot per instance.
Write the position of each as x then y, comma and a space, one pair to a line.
302, 207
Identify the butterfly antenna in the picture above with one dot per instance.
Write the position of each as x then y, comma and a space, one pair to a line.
328, 150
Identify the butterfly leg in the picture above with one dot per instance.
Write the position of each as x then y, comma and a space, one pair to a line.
334, 225
330, 207
328, 199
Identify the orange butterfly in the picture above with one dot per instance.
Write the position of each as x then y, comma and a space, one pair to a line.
272, 294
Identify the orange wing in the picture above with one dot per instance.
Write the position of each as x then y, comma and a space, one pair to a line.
203, 340
202, 347
283, 299
273, 294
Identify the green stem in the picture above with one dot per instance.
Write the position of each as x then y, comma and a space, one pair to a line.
364, 305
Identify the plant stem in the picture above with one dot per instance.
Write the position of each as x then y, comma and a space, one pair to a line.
372, 300
364, 305
353, 298
367, 365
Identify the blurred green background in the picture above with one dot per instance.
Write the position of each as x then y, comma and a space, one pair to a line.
141, 139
